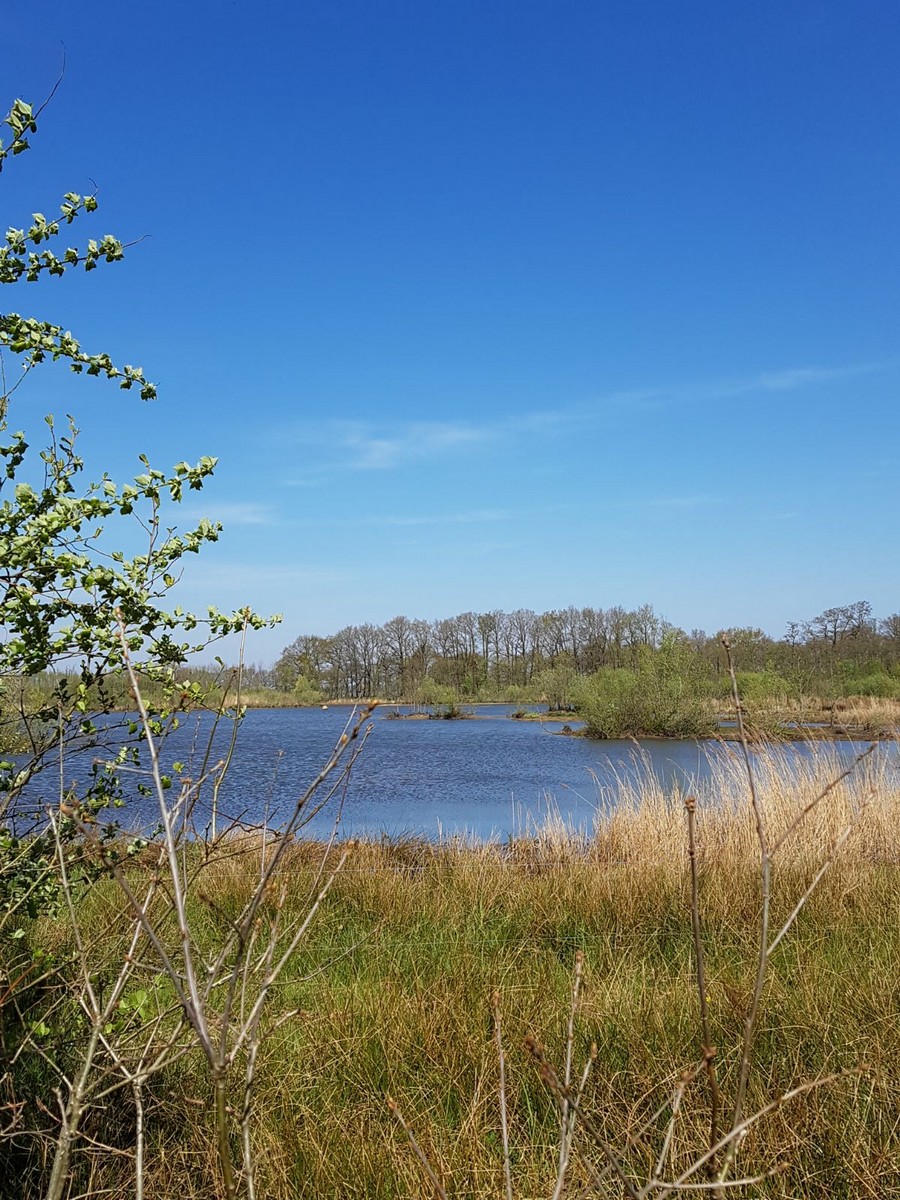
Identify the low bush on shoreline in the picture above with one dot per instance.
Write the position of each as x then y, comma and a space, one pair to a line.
662, 697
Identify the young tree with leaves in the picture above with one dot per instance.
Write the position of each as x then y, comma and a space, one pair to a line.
66, 589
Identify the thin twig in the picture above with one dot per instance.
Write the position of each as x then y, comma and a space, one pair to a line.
504, 1127
565, 1130
190, 978
709, 1050
739, 1130
554, 1083
752, 1013
717, 1185
417, 1149
670, 1127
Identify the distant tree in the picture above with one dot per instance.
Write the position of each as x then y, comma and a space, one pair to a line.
553, 634
642, 628
508, 654
751, 648
524, 631
663, 695
594, 639
835, 624
400, 646
489, 625
794, 633
468, 636
557, 684
309, 656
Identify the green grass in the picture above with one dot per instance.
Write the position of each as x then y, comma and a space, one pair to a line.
401, 1008
389, 994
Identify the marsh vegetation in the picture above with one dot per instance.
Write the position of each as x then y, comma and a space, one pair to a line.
389, 994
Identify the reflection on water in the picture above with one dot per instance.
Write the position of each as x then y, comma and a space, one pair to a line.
487, 777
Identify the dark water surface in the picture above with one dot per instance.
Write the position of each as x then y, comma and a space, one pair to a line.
486, 778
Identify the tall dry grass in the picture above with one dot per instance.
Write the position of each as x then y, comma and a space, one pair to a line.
641, 820
877, 716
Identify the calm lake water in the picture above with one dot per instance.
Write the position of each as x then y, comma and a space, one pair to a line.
484, 778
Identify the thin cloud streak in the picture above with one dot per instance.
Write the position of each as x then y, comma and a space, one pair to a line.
680, 502
254, 573
232, 512
368, 446
789, 380
481, 516
363, 446
779, 381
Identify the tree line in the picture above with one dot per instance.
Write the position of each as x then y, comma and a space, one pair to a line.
512, 655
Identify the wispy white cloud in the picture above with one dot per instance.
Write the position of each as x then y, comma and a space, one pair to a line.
233, 512
367, 451
478, 516
566, 415
680, 502
631, 401
781, 381
787, 380
313, 478
662, 503
368, 446
371, 446
238, 573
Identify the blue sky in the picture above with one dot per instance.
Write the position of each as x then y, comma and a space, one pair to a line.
490, 304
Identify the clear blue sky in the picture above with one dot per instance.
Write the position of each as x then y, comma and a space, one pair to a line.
491, 304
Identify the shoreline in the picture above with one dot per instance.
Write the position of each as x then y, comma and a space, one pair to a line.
725, 730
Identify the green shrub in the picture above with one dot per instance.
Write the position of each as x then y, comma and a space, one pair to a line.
756, 687
440, 699
664, 696
307, 691
869, 679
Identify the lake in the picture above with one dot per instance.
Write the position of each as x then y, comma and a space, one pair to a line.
488, 777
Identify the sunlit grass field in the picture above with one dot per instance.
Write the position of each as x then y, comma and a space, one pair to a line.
390, 995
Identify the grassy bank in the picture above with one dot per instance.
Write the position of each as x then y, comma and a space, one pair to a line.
389, 994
